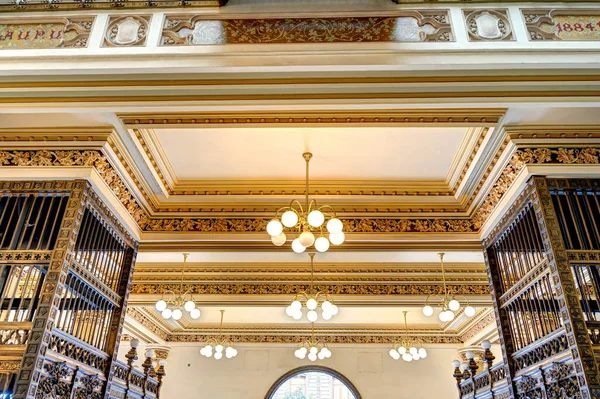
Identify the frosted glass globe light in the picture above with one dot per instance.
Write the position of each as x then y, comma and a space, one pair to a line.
422, 353
219, 348
218, 355
326, 315
302, 354
297, 353
150, 353
334, 225
427, 310
313, 349
416, 356
297, 247
326, 306
279, 240
312, 357
312, 316
274, 227
316, 218
333, 310
486, 344
402, 350
134, 343
235, 352
297, 315
327, 352
177, 314
290, 311
455, 364
228, 355
312, 304
413, 350
454, 305
195, 314
306, 239
450, 315
189, 306
289, 218
322, 244
407, 357
337, 238
321, 355
470, 311
442, 316
167, 313
297, 305
161, 305
394, 354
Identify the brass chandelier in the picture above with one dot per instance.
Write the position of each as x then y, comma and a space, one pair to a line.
407, 348
216, 346
312, 300
307, 222
447, 302
172, 307
313, 348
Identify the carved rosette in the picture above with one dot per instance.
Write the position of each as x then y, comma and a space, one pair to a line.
488, 25
127, 31
406, 26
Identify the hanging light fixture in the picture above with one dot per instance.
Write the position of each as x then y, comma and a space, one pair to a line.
173, 307
408, 349
307, 222
312, 300
216, 347
313, 348
448, 302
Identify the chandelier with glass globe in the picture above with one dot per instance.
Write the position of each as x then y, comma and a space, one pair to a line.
215, 347
447, 302
307, 223
313, 348
407, 348
172, 307
312, 300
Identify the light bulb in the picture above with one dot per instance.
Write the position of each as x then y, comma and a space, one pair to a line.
443, 317
297, 315
312, 304
195, 314
290, 311
316, 218
486, 344
394, 354
150, 353
306, 239
167, 313
297, 247
302, 354
312, 357
416, 356
321, 356
134, 343
218, 355
427, 310
303, 350
274, 228
279, 240
470, 355
337, 238
297, 353
412, 350
312, 316
289, 218
235, 352
327, 353
189, 306
470, 311
322, 244
326, 306
228, 355
297, 305
454, 305
326, 315
177, 314
402, 350
455, 364
313, 349
407, 357
333, 310
449, 315
334, 225
422, 353
219, 348
160, 305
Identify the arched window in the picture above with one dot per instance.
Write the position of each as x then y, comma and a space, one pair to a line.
313, 382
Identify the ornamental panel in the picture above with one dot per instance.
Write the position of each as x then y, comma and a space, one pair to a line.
44, 33
488, 25
127, 30
404, 26
562, 24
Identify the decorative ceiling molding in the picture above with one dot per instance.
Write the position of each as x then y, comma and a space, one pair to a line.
148, 321
479, 325
342, 288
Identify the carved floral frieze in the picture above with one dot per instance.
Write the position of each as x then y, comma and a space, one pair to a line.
405, 26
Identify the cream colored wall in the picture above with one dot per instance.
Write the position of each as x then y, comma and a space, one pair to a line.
256, 368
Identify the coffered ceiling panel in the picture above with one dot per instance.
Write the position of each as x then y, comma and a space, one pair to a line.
349, 153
